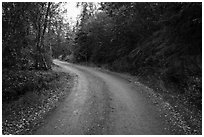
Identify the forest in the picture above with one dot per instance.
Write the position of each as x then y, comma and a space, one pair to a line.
160, 43
150, 40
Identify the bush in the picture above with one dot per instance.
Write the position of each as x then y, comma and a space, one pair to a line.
17, 83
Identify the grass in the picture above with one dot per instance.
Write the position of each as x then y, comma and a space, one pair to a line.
29, 95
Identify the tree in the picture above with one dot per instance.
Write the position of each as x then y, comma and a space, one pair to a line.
40, 62
25, 28
159, 39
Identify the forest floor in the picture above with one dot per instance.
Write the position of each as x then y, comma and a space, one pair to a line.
29, 96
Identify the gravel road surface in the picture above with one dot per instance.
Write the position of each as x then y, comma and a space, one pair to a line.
103, 103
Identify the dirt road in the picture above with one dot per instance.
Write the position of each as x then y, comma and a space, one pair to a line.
103, 103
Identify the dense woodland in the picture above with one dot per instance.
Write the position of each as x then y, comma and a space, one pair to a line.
160, 40
157, 40
31, 33
30, 30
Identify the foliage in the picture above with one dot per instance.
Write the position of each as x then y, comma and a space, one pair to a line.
24, 30
31, 32
17, 83
159, 39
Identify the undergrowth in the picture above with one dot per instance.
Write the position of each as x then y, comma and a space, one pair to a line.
187, 105
29, 95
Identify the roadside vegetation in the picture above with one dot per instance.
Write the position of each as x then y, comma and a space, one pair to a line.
158, 40
159, 43
32, 85
28, 96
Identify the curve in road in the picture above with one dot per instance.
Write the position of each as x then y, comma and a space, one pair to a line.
103, 103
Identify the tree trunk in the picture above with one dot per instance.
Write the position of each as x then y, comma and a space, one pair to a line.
42, 39
41, 62
37, 58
